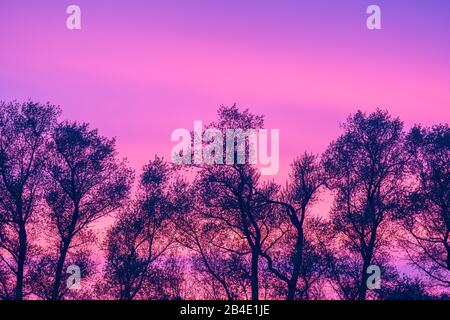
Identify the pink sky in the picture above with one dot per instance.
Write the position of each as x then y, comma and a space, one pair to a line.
138, 70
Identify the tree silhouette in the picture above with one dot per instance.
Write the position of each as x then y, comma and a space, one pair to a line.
196, 234
240, 220
137, 243
230, 199
427, 218
24, 129
220, 231
86, 182
301, 192
366, 168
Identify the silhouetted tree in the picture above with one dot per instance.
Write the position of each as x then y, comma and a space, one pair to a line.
240, 222
137, 243
222, 231
86, 182
24, 130
196, 234
427, 218
366, 168
301, 192
230, 198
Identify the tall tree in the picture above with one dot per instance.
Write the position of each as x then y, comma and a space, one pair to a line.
230, 201
427, 218
24, 131
240, 221
306, 179
86, 182
138, 244
366, 168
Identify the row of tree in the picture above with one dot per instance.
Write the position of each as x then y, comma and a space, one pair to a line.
220, 231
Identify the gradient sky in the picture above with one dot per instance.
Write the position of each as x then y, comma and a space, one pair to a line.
140, 69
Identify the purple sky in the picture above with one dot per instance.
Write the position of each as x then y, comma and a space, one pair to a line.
140, 69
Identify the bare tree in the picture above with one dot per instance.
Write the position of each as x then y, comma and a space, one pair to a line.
224, 231
427, 217
301, 192
239, 218
366, 168
139, 241
196, 234
24, 131
240, 221
86, 182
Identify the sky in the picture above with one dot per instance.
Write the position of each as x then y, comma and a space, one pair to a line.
137, 70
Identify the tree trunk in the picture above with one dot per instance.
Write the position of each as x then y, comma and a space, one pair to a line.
292, 285
21, 261
63, 253
59, 269
363, 285
254, 275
